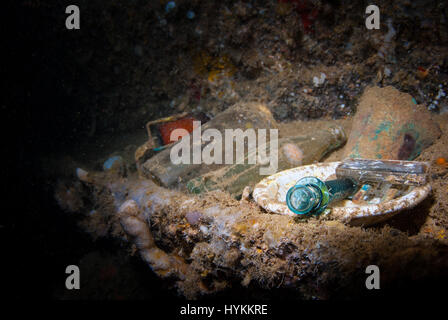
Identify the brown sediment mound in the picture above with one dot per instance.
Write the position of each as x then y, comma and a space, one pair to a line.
239, 242
437, 221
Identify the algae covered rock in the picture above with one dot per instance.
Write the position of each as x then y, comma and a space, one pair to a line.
390, 125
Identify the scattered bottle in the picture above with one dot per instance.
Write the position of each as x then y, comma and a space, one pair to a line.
311, 195
292, 152
164, 171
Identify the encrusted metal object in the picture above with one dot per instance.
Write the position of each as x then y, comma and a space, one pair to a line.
389, 125
390, 171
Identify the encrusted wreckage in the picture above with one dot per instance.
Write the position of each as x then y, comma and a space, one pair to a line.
209, 242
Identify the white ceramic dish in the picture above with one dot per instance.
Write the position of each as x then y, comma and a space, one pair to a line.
270, 193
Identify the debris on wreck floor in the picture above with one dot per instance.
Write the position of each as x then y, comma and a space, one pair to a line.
206, 243
306, 71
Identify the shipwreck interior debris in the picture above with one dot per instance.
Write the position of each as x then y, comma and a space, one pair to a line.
212, 150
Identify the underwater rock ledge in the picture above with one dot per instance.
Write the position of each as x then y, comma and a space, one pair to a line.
205, 244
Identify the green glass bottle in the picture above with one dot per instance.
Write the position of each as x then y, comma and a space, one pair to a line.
311, 195
161, 168
292, 152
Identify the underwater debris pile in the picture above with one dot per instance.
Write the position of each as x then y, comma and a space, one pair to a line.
208, 243
148, 60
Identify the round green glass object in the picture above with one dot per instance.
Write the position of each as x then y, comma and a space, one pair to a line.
311, 195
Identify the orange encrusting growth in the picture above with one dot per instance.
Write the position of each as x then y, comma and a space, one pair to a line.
166, 128
441, 161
